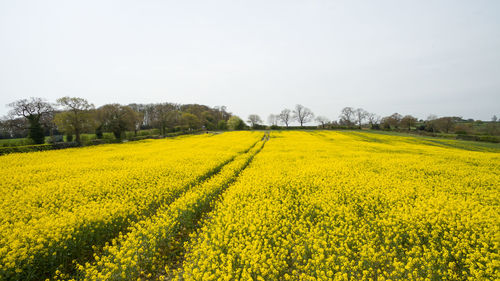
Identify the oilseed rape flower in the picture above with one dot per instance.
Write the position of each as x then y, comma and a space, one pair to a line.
292, 205
355, 206
57, 206
150, 244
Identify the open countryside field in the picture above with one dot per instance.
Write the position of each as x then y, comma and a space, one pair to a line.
294, 205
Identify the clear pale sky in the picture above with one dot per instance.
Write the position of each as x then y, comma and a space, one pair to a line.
412, 57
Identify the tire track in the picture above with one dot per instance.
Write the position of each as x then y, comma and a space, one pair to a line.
157, 242
114, 229
173, 265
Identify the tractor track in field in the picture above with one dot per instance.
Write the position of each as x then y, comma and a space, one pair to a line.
176, 263
149, 211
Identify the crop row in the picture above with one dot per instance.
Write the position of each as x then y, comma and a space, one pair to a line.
344, 206
57, 207
155, 244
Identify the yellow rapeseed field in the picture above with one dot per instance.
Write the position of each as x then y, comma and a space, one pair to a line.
57, 206
148, 248
354, 206
292, 205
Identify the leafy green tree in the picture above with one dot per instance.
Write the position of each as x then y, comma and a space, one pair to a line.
208, 119
76, 118
222, 125
235, 123
190, 121
99, 131
117, 118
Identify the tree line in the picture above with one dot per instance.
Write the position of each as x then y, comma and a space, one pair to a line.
352, 118
73, 116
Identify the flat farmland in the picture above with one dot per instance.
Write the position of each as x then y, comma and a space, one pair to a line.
284, 205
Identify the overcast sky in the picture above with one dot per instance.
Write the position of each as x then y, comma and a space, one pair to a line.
411, 57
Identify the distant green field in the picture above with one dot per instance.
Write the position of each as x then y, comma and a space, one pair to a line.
84, 137
446, 142
15, 142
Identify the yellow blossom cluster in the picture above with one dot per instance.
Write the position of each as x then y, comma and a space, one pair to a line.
154, 244
307, 205
59, 207
355, 206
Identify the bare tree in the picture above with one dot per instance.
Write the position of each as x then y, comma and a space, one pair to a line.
138, 121
432, 117
285, 116
373, 120
77, 116
165, 115
221, 113
302, 114
347, 116
408, 121
35, 110
493, 127
392, 121
445, 123
360, 115
430, 123
254, 120
14, 127
273, 119
144, 110
322, 120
